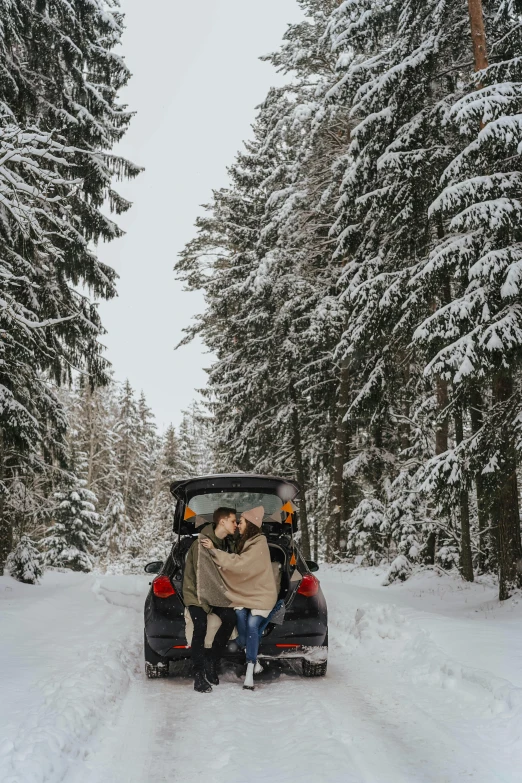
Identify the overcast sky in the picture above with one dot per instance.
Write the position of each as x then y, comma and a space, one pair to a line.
196, 82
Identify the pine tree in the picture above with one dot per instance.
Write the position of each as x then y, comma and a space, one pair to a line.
170, 465
59, 119
148, 455
25, 562
362, 294
481, 324
195, 448
91, 416
71, 540
369, 531
127, 430
115, 529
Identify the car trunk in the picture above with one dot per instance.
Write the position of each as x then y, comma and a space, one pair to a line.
199, 498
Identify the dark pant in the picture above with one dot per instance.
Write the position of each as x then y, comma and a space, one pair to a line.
199, 619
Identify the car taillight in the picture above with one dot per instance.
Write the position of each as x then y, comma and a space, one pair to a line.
309, 586
162, 587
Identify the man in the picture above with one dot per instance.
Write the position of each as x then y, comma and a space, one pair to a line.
205, 663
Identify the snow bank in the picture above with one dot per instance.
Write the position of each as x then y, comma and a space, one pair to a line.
385, 630
413, 633
69, 680
126, 591
55, 734
487, 694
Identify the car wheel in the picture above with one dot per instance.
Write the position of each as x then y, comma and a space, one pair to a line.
155, 665
314, 669
155, 672
311, 669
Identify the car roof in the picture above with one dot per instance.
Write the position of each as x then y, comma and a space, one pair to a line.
287, 489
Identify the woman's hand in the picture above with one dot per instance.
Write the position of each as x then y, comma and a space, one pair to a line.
207, 543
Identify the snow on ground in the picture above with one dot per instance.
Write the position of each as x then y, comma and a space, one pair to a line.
424, 684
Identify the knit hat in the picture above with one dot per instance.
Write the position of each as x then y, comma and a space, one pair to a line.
255, 515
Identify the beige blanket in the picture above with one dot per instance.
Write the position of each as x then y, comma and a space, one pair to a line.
237, 580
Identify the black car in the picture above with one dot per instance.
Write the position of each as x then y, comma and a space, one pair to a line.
303, 634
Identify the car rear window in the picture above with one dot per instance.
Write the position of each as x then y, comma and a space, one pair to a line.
204, 505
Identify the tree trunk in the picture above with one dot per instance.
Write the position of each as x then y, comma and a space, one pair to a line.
301, 476
441, 435
316, 518
475, 409
506, 506
316, 539
6, 530
405, 428
478, 34
333, 542
441, 446
90, 474
466, 560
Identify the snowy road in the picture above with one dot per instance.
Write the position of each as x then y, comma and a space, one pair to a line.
414, 692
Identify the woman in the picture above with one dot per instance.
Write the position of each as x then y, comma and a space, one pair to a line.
249, 584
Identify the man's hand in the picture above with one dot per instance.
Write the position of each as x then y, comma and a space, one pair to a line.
207, 543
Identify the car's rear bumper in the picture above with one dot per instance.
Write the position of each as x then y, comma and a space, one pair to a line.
317, 654
177, 650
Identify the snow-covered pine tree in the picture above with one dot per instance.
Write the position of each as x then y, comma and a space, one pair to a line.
304, 214
127, 430
399, 63
25, 562
91, 415
369, 531
71, 540
385, 144
196, 455
115, 529
260, 404
156, 532
59, 118
149, 446
170, 465
32, 426
475, 335
243, 379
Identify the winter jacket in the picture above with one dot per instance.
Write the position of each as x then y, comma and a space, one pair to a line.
190, 588
232, 580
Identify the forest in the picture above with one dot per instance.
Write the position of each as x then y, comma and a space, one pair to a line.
361, 274
84, 473
362, 278
331, 239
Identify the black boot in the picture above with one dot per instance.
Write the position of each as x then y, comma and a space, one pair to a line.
211, 667
201, 684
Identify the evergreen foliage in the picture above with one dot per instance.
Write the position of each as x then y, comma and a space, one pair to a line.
25, 562
361, 276
71, 539
112, 447
60, 116
116, 526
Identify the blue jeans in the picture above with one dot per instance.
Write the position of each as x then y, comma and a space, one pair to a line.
250, 629
248, 633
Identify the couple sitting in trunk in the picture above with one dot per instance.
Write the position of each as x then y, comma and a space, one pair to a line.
233, 579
